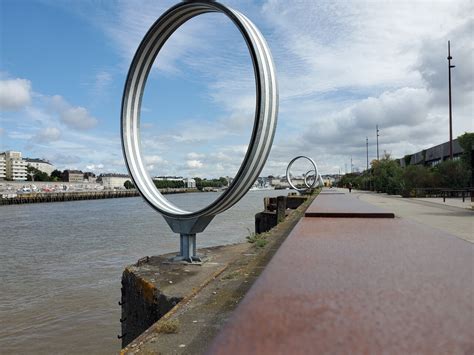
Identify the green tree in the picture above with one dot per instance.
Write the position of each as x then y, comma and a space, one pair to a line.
223, 181
201, 183
466, 141
128, 185
417, 176
34, 174
452, 174
407, 159
168, 184
56, 175
387, 175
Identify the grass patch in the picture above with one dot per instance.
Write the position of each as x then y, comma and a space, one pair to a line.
259, 240
232, 275
169, 326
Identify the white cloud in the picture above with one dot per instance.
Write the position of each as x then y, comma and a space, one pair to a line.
343, 67
47, 135
75, 117
95, 167
194, 156
194, 164
154, 159
2, 131
102, 80
15, 94
63, 159
131, 22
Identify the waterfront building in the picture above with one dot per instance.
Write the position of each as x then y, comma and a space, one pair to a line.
73, 176
168, 178
114, 181
3, 166
40, 164
15, 166
189, 183
432, 156
90, 177
331, 179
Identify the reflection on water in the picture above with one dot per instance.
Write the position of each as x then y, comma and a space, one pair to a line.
61, 265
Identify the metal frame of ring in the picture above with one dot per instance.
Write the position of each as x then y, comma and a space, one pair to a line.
288, 178
319, 178
181, 221
306, 177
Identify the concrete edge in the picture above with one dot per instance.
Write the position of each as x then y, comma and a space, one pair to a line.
291, 219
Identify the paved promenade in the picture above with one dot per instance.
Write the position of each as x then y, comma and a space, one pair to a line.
453, 217
362, 284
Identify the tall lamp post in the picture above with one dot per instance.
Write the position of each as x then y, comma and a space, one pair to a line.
450, 106
377, 131
367, 150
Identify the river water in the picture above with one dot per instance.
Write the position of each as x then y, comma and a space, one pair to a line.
61, 265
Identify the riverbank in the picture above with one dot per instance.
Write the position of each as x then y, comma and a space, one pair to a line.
40, 197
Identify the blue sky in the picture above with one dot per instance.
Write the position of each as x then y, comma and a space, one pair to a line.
343, 67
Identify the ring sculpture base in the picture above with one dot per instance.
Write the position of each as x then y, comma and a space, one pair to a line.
187, 228
187, 251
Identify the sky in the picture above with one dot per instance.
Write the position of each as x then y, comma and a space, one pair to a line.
343, 67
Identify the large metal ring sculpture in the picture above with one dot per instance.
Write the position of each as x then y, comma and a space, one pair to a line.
315, 169
181, 221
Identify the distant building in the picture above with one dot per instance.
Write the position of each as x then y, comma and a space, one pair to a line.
14, 166
432, 156
229, 179
168, 178
73, 176
331, 179
189, 183
41, 165
90, 177
114, 181
3, 166
281, 182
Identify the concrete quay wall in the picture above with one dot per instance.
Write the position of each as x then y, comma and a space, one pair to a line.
173, 303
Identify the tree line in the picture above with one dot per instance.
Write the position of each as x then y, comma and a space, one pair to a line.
200, 183
386, 174
34, 174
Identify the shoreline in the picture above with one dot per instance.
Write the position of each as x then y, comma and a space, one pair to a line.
44, 197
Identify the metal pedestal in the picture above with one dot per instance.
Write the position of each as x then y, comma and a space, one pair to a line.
187, 250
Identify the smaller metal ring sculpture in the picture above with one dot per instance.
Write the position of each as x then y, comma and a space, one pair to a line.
318, 177
308, 175
288, 178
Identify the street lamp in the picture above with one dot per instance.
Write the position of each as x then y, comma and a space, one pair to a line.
367, 150
450, 106
377, 131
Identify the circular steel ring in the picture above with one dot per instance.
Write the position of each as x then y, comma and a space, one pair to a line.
266, 110
306, 178
319, 178
315, 171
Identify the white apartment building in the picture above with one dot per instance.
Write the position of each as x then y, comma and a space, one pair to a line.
15, 166
168, 178
41, 165
114, 181
3, 167
189, 183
